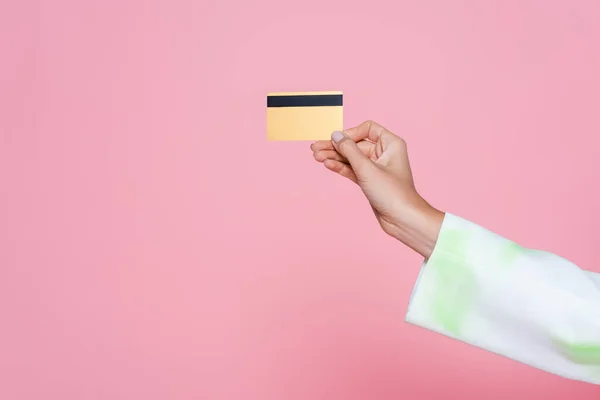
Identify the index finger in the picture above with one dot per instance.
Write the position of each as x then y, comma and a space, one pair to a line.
321, 145
370, 130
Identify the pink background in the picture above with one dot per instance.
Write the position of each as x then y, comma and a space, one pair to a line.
154, 245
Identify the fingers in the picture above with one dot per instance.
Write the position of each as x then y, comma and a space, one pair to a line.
360, 163
323, 155
370, 130
322, 145
343, 169
322, 152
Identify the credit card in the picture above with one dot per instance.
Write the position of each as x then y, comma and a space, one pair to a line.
304, 115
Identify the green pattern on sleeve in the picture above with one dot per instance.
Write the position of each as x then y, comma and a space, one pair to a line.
528, 305
455, 292
581, 353
511, 252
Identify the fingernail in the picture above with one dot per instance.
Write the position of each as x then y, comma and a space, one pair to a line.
337, 136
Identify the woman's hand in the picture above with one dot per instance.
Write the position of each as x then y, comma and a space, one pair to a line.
377, 160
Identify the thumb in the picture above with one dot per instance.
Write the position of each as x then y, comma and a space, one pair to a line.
348, 148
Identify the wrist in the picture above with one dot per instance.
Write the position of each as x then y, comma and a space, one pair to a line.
419, 227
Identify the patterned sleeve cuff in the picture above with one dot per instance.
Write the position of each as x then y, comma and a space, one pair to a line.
528, 305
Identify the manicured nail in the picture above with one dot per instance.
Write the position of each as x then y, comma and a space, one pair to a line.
337, 136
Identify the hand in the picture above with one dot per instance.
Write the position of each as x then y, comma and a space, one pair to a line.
377, 160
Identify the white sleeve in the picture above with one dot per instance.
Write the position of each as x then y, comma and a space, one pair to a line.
528, 305
595, 277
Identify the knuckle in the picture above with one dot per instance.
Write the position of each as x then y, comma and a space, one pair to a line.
337, 167
399, 142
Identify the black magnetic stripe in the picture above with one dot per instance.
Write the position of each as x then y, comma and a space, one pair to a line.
310, 100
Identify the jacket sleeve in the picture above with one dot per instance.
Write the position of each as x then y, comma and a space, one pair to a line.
528, 305
594, 276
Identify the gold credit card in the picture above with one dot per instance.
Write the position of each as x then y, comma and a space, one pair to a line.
304, 115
